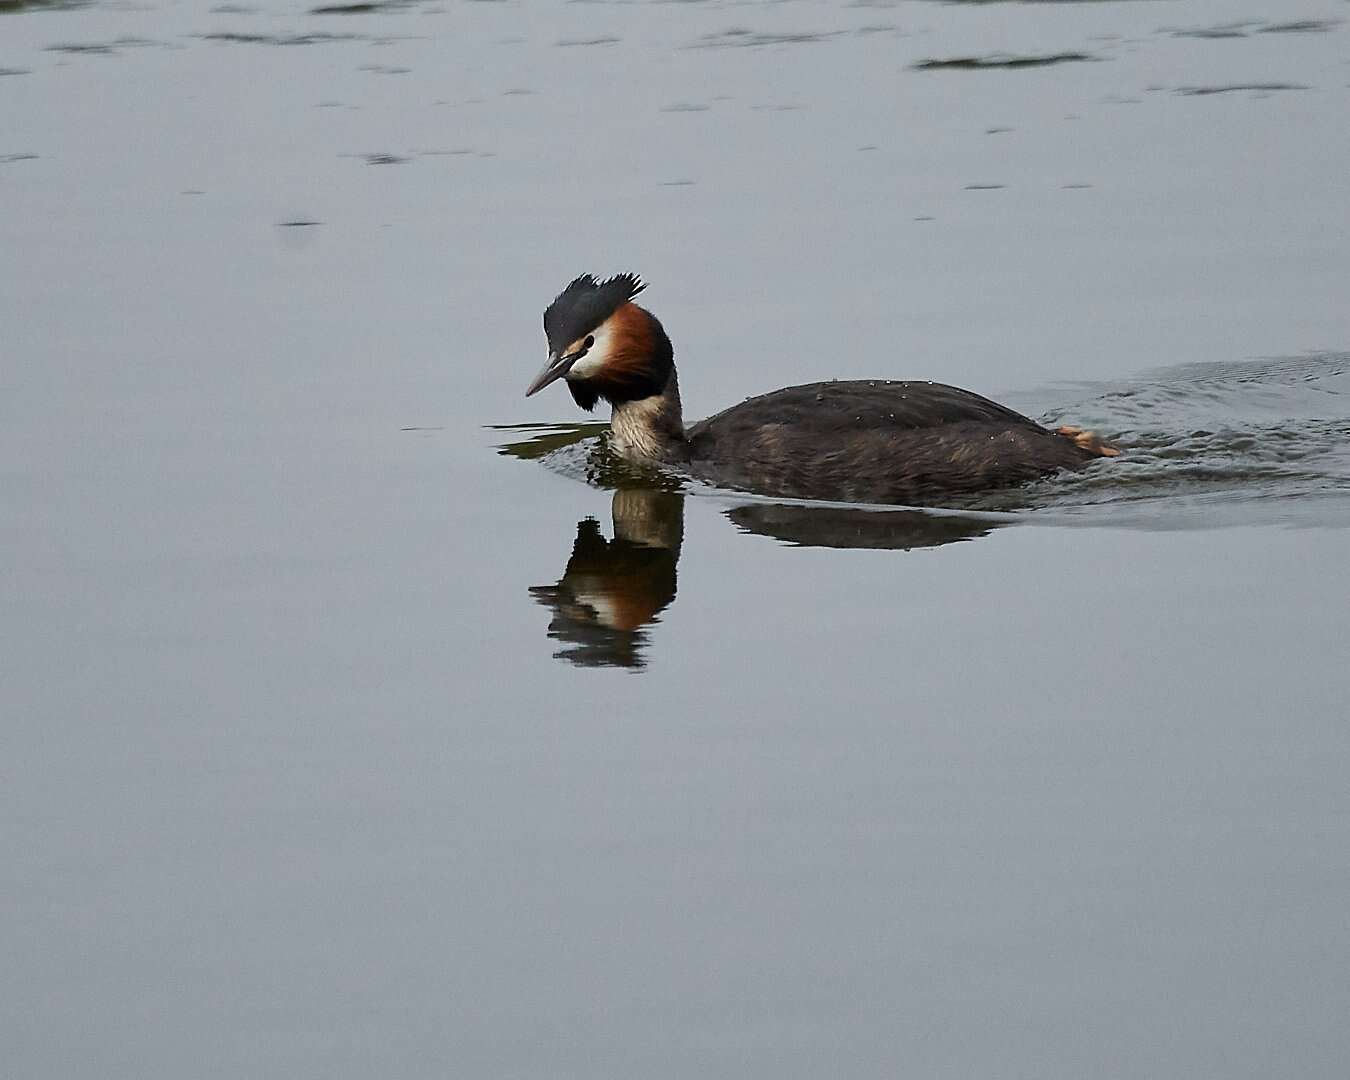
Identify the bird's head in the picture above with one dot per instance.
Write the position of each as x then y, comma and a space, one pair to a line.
603, 344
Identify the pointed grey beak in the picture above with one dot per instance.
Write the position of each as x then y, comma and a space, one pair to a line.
555, 369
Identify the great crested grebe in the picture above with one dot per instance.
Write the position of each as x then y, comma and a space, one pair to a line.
882, 441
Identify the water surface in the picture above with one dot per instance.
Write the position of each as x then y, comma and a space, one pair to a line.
339, 742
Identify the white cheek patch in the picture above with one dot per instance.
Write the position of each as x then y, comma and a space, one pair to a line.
597, 355
607, 612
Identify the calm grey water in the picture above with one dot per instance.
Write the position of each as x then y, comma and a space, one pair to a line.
361, 718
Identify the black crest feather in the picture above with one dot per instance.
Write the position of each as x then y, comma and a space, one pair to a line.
584, 305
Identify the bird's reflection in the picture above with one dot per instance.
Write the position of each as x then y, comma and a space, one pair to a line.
842, 527
611, 589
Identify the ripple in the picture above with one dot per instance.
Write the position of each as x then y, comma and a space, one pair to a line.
1301, 26
1219, 31
361, 7
105, 48
573, 43
994, 61
1247, 27
1270, 431
13, 7
740, 38
1233, 88
238, 38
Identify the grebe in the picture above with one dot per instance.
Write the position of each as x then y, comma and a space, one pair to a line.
915, 443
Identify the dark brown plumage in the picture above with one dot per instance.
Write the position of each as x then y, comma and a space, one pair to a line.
916, 443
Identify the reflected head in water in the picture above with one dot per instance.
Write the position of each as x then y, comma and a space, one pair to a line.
612, 589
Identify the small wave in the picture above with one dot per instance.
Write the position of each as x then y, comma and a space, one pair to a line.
1249, 434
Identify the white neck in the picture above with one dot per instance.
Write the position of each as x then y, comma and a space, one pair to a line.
651, 429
